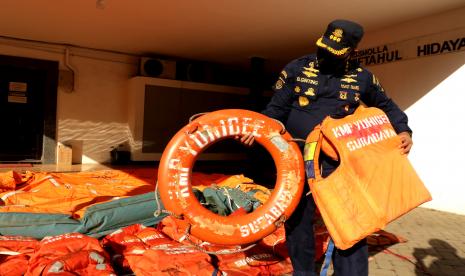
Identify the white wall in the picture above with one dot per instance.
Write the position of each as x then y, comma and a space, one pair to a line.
94, 116
432, 92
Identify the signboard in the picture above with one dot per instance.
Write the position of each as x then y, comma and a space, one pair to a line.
17, 92
435, 44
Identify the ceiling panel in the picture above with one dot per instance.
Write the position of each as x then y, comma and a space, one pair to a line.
215, 30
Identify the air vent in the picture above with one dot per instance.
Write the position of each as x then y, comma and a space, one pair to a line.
157, 68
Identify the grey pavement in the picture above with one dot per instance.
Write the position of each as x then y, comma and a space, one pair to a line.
435, 246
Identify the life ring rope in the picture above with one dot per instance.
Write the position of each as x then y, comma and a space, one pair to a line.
217, 252
297, 140
186, 235
159, 210
197, 115
283, 128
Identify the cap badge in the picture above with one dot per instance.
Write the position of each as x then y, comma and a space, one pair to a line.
337, 35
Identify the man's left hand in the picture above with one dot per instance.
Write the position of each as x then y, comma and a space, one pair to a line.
406, 142
246, 139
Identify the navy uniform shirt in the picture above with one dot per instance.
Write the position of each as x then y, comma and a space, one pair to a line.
304, 96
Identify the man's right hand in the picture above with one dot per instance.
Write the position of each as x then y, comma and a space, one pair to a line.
246, 139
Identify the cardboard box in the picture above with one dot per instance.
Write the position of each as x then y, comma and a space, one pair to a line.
64, 155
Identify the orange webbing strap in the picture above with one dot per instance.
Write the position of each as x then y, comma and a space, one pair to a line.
313, 146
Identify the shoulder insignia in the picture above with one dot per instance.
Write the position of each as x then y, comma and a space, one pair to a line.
279, 84
376, 82
359, 69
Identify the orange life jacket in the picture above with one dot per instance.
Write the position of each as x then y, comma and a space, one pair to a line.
15, 252
73, 252
268, 257
9, 180
374, 183
148, 251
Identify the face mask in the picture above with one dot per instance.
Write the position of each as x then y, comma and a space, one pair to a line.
330, 63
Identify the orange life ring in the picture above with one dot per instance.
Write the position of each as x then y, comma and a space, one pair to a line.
175, 172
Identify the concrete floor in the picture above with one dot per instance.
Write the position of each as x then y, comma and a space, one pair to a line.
435, 246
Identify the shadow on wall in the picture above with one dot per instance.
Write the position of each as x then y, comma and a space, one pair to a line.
92, 140
439, 259
409, 80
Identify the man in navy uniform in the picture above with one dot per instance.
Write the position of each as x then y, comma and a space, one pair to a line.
308, 89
